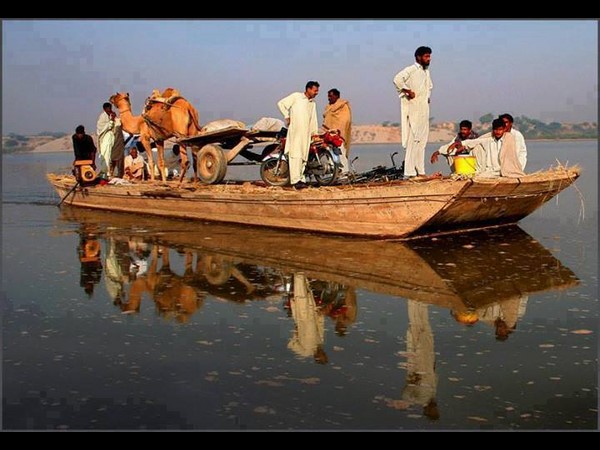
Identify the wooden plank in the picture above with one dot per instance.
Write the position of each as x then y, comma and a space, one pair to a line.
214, 136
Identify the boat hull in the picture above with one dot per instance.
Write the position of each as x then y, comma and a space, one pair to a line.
498, 201
399, 209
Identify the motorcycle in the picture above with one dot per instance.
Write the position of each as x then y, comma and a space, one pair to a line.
323, 161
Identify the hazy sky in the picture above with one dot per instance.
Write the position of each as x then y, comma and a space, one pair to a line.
57, 74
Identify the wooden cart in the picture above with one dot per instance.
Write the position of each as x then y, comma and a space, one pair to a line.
215, 150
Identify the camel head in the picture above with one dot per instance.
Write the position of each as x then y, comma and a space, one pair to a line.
120, 100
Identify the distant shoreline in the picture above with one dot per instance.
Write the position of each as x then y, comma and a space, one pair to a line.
354, 143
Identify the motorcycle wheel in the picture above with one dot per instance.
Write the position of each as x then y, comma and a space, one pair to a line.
275, 171
328, 172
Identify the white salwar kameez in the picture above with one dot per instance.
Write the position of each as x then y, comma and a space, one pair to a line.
414, 114
521, 147
302, 113
106, 140
492, 148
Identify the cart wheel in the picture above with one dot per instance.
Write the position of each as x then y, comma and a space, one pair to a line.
211, 164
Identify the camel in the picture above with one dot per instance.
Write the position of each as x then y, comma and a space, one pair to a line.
166, 115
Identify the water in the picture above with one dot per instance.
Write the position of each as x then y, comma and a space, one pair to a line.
180, 325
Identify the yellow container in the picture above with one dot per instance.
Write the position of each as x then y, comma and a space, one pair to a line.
465, 164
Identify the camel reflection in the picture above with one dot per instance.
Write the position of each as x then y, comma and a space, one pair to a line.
173, 297
136, 270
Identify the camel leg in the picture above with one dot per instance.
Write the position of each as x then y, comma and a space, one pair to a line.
185, 163
145, 139
195, 162
160, 147
165, 258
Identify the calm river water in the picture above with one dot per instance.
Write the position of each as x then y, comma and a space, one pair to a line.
114, 321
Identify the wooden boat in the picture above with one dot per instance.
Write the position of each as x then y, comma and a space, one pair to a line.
459, 272
399, 209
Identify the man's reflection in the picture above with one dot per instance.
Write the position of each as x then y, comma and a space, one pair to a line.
308, 336
89, 256
116, 272
421, 379
308, 302
502, 316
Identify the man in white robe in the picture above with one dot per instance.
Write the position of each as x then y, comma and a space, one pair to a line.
134, 166
300, 113
501, 157
414, 85
105, 130
519, 138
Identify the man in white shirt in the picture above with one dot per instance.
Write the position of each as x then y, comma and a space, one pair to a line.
500, 157
300, 113
414, 85
519, 139
105, 130
134, 166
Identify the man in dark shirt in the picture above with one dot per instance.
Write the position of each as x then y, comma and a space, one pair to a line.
83, 146
465, 131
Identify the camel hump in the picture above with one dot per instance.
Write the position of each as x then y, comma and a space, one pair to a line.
168, 96
171, 92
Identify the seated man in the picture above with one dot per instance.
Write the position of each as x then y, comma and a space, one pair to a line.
499, 157
173, 162
134, 166
465, 131
519, 139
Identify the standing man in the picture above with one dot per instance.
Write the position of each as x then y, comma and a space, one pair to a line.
106, 137
338, 116
300, 113
117, 153
83, 146
519, 139
414, 89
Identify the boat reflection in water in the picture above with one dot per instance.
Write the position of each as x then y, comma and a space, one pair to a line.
479, 277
